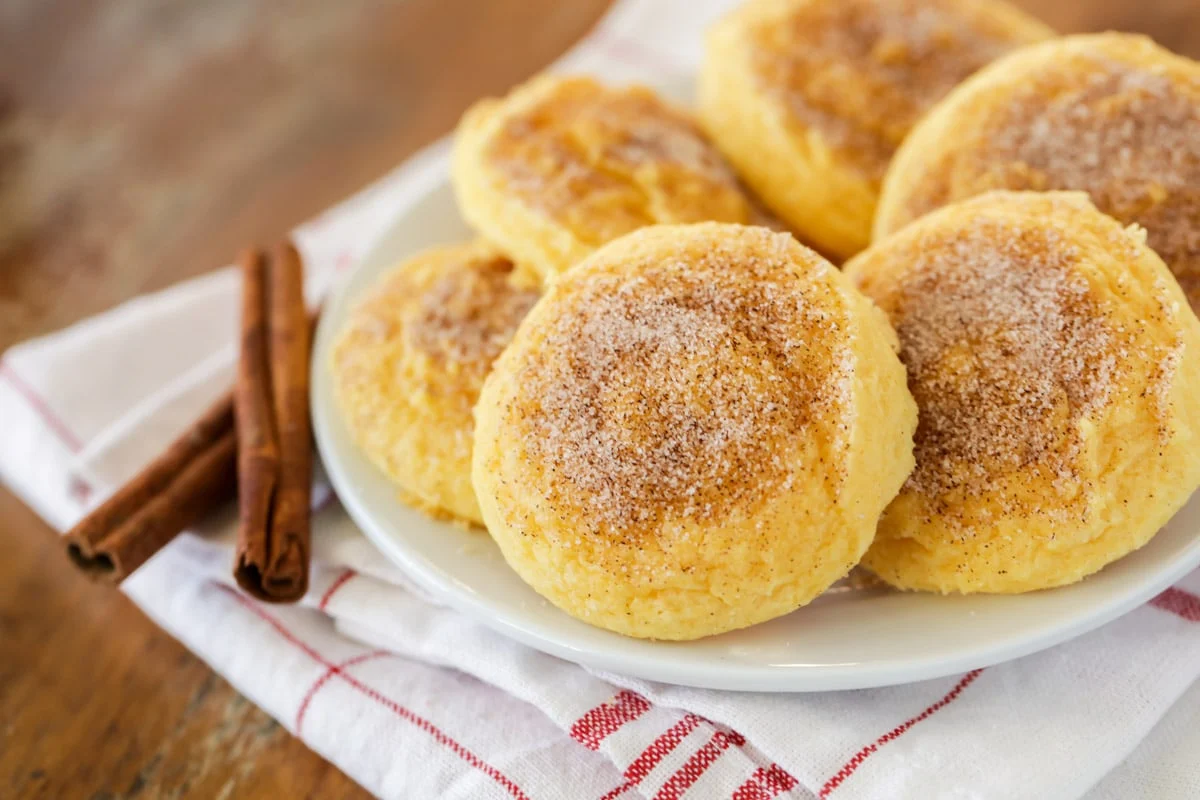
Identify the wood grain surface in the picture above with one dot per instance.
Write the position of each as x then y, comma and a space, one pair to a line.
141, 143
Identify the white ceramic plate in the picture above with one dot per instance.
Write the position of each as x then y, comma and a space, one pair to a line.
845, 639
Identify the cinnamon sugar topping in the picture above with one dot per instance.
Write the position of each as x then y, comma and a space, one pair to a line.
862, 71
469, 315
607, 161
683, 392
1129, 136
1006, 350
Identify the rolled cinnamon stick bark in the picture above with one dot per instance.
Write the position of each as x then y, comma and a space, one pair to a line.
204, 483
258, 448
253, 442
274, 439
194, 473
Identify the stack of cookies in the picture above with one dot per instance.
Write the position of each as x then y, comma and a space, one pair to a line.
650, 384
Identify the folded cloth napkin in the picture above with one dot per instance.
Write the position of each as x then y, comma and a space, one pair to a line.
413, 700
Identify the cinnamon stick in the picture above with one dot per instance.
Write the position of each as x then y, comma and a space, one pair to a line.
273, 427
253, 431
193, 474
258, 447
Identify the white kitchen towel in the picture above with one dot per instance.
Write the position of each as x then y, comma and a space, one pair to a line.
413, 700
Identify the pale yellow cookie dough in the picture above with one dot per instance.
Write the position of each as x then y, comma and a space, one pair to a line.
810, 98
694, 430
1112, 114
1056, 366
409, 364
563, 165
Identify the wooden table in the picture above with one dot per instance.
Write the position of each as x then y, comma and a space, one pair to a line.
144, 143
